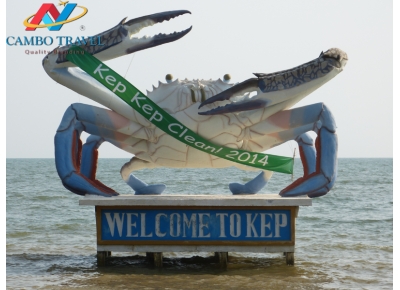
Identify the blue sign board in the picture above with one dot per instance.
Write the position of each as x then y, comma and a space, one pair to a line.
217, 225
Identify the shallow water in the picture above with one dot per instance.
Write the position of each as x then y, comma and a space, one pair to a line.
343, 241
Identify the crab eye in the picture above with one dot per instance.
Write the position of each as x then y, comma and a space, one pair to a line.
169, 78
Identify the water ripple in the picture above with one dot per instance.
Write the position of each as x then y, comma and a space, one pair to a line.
343, 241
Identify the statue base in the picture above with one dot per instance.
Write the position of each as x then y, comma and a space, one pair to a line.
260, 223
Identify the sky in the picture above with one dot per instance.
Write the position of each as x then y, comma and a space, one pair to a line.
235, 37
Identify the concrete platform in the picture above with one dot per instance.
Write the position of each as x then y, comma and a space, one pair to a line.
262, 223
197, 200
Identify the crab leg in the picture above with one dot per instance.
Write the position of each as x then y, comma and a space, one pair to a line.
90, 156
307, 153
89, 166
104, 125
322, 180
253, 186
68, 150
320, 166
140, 187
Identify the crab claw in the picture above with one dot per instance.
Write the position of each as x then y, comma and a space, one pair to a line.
236, 90
135, 25
281, 86
245, 105
237, 107
120, 40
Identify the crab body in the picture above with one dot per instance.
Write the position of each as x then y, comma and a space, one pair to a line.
220, 112
181, 99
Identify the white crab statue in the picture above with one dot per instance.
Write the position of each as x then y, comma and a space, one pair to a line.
255, 123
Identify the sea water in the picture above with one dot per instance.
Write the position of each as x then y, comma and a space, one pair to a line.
343, 241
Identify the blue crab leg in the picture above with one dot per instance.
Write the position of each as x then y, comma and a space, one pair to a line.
89, 166
308, 157
307, 153
253, 186
319, 165
90, 156
322, 180
68, 149
140, 187
105, 125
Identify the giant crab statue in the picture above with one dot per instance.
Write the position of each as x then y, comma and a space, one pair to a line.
255, 123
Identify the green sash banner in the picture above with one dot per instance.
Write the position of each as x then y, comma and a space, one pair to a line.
156, 115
